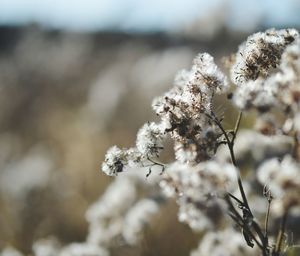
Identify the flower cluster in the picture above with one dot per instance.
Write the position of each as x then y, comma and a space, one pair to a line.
260, 54
266, 75
120, 214
251, 176
199, 189
184, 113
185, 110
283, 180
148, 146
259, 84
117, 159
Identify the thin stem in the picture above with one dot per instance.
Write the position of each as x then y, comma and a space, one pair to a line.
237, 126
261, 236
235, 198
281, 234
154, 163
230, 144
267, 218
246, 222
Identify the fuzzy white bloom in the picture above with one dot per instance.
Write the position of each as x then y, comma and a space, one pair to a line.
149, 140
184, 110
256, 93
117, 159
105, 215
46, 247
105, 233
260, 53
205, 179
193, 87
111, 217
118, 197
266, 73
280, 176
283, 180
197, 219
288, 81
185, 153
198, 188
10, 251
213, 77
228, 242
252, 147
80, 249
33, 171
262, 89
137, 218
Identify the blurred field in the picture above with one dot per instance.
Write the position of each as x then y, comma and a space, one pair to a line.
64, 99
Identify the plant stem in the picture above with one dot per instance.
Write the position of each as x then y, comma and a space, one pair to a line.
242, 221
237, 126
267, 218
230, 144
281, 234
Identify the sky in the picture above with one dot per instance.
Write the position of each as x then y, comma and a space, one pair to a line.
148, 15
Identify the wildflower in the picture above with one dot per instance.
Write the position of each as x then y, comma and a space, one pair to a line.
198, 189
260, 53
46, 247
10, 251
227, 242
137, 218
282, 177
149, 140
117, 159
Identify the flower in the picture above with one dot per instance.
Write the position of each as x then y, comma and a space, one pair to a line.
149, 140
260, 53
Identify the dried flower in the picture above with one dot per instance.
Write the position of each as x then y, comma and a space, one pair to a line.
149, 140
261, 53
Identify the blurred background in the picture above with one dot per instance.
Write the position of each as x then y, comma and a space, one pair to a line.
79, 76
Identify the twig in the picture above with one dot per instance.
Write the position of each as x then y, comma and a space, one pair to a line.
154, 163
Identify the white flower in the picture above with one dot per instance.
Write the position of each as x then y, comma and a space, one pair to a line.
280, 176
137, 218
253, 147
46, 247
10, 251
118, 197
228, 242
210, 74
149, 140
198, 189
260, 53
117, 159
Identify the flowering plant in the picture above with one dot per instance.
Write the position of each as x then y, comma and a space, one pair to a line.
208, 176
238, 188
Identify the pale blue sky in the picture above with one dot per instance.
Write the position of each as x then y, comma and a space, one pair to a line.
147, 15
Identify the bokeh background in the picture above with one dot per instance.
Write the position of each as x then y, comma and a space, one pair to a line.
77, 77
